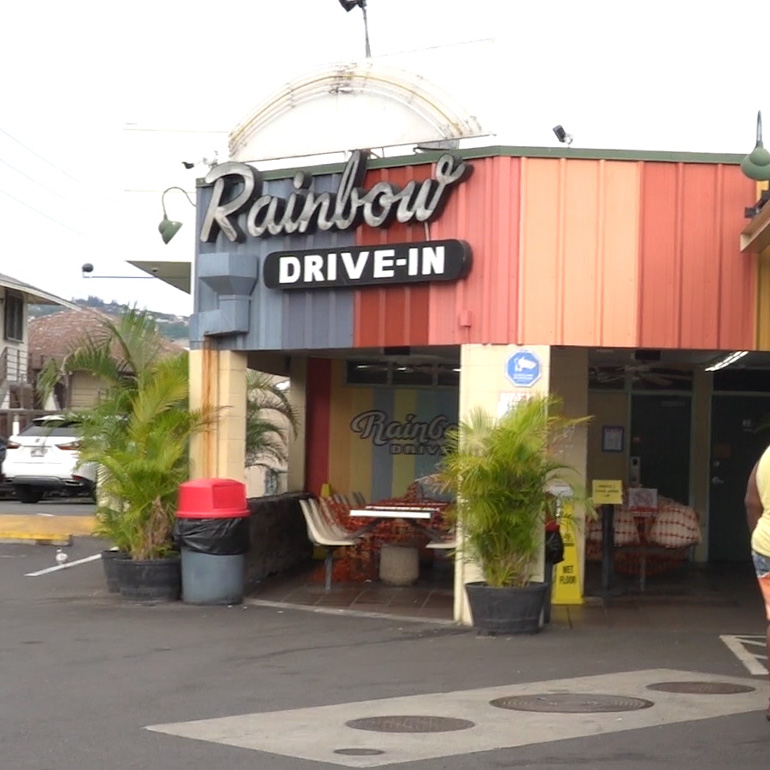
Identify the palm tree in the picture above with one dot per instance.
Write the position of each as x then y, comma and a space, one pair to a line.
140, 440
500, 470
270, 419
117, 354
138, 431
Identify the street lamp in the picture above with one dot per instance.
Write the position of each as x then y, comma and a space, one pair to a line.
349, 5
168, 228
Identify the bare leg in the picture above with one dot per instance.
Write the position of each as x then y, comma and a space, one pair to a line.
767, 643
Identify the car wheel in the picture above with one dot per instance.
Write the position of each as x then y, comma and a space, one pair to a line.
28, 494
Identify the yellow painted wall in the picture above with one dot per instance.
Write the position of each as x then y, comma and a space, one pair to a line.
569, 381
763, 300
483, 382
607, 408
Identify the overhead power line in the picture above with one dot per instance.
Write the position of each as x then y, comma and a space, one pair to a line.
51, 164
42, 213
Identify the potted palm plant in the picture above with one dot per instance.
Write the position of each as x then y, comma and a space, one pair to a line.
500, 471
138, 434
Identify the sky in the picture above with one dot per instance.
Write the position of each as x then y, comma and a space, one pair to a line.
101, 102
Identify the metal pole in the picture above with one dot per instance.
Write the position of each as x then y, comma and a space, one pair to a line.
608, 543
366, 30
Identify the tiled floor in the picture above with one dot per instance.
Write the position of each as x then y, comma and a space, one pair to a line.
693, 596
431, 598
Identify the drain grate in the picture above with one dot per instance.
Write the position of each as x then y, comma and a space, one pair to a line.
410, 724
701, 688
358, 752
571, 703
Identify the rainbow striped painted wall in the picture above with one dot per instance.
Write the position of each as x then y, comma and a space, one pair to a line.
375, 440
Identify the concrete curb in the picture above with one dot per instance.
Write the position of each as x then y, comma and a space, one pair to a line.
339, 612
44, 530
21, 538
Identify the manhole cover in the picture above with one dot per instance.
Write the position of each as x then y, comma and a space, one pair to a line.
571, 703
358, 752
701, 688
410, 724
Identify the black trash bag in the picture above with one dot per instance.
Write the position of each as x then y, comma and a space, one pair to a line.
554, 547
219, 537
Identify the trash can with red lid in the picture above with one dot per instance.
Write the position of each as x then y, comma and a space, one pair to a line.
212, 533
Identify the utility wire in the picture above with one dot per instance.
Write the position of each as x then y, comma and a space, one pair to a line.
33, 180
52, 165
42, 213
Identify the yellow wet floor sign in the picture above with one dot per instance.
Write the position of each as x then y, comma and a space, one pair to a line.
566, 582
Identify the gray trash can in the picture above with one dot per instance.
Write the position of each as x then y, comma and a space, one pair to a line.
212, 533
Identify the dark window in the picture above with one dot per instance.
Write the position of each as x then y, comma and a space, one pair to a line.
43, 427
366, 373
14, 316
750, 380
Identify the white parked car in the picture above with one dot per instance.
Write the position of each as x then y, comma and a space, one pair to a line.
44, 457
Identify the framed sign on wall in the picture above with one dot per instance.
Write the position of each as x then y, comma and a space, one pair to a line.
612, 438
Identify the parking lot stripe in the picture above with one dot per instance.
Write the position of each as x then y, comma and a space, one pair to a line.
69, 564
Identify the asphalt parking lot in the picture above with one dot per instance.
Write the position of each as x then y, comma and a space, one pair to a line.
85, 674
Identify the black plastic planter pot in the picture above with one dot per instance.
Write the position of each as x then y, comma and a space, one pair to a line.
151, 579
110, 570
506, 611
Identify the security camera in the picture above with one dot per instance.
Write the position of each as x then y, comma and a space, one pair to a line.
154, 270
87, 268
562, 135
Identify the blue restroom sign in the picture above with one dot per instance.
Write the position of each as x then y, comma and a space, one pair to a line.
523, 369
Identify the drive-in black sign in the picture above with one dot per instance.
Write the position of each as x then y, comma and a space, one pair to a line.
393, 263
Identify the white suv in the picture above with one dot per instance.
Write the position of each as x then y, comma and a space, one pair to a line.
44, 457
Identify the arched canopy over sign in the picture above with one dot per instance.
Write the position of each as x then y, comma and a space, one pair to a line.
350, 105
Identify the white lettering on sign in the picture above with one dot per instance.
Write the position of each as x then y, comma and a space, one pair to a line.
433, 261
354, 269
396, 263
289, 269
237, 194
383, 263
314, 264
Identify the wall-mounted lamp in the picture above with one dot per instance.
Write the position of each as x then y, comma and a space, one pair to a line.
756, 165
168, 228
88, 268
562, 135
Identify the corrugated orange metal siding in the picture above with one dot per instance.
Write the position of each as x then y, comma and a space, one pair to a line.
486, 214
483, 211
738, 275
579, 252
696, 289
393, 315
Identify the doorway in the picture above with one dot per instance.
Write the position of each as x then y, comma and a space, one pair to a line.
736, 445
660, 438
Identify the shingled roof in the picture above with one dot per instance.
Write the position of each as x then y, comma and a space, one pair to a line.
58, 334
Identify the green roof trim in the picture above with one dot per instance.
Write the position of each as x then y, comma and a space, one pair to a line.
500, 151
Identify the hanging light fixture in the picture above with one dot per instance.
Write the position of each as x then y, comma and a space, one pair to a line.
168, 228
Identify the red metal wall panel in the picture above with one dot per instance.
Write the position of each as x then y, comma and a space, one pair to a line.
696, 290
317, 421
618, 253
738, 272
396, 315
483, 210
